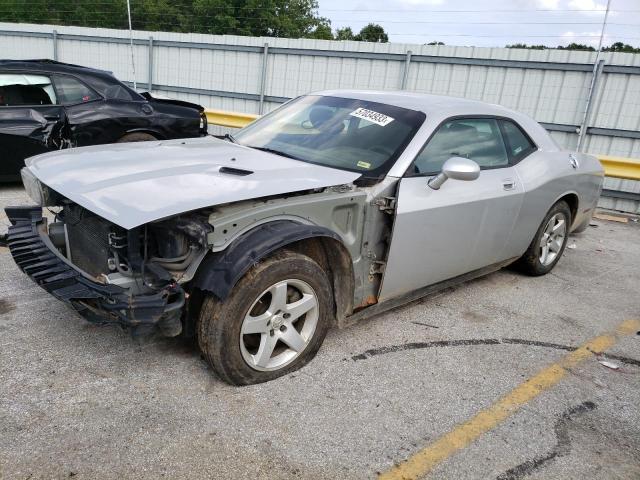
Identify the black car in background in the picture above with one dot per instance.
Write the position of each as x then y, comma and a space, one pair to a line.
47, 105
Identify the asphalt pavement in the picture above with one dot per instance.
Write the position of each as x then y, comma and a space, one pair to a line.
87, 402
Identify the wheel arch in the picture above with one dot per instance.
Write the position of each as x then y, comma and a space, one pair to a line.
150, 131
220, 271
572, 199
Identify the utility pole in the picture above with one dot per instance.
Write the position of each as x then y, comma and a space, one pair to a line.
133, 61
587, 109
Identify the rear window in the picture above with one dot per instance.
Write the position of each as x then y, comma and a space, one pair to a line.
518, 144
71, 91
23, 89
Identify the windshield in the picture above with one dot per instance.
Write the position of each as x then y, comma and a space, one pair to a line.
355, 135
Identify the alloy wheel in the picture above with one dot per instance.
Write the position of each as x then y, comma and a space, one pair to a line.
552, 239
279, 325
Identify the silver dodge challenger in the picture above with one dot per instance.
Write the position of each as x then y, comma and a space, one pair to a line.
337, 206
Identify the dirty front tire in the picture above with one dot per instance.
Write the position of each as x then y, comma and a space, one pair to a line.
137, 137
283, 303
547, 245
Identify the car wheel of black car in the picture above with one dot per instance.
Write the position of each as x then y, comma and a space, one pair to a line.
549, 242
137, 137
272, 323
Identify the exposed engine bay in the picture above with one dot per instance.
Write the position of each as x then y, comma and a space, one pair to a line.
141, 259
145, 261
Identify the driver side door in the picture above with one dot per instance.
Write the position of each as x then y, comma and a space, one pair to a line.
463, 226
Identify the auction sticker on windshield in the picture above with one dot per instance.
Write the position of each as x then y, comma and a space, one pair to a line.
374, 117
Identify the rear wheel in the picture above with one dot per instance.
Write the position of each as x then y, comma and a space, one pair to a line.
137, 137
549, 242
272, 323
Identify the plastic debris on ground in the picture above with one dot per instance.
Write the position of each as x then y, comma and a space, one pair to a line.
608, 364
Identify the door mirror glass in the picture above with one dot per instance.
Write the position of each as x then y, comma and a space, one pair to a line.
456, 168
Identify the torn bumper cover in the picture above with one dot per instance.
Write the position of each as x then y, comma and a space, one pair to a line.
99, 303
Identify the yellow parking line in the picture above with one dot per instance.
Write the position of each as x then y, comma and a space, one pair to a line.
425, 460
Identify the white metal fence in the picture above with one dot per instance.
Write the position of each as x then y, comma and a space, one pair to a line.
254, 75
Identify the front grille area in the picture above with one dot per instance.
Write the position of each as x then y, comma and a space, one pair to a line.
88, 239
36, 256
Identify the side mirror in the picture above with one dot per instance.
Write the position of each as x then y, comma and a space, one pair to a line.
456, 168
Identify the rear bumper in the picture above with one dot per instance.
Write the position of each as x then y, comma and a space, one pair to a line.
101, 303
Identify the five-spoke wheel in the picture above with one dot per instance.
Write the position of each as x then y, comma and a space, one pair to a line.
549, 242
279, 325
272, 323
552, 239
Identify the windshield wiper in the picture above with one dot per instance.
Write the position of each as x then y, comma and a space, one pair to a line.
276, 152
231, 138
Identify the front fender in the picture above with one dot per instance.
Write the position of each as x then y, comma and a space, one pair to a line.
220, 271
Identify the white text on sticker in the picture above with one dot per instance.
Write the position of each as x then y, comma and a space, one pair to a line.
374, 117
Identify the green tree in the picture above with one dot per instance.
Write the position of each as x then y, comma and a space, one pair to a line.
272, 18
577, 46
345, 34
322, 32
372, 33
524, 45
621, 47
110, 14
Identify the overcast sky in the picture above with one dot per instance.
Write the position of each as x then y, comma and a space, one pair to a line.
491, 22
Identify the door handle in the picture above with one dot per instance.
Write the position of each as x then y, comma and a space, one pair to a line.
509, 184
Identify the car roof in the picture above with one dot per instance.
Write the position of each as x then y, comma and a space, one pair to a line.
95, 78
441, 107
423, 102
52, 66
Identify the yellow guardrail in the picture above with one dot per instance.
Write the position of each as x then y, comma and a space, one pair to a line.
618, 167
229, 119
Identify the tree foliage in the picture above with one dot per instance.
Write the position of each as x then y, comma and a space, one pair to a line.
269, 18
345, 34
614, 47
577, 46
263, 18
524, 45
372, 33
621, 47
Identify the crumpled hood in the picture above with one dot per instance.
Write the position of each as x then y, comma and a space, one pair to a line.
131, 184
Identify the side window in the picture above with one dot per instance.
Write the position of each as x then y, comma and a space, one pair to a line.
24, 89
118, 92
478, 139
518, 143
71, 91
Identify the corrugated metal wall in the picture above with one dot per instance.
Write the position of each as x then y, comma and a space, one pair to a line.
225, 72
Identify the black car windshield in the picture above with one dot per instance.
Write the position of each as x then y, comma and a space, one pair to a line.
345, 133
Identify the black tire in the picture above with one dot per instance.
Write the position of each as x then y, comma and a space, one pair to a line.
530, 263
137, 137
220, 323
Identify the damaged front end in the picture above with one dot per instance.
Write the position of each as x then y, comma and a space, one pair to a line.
108, 274
25, 132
